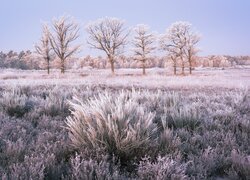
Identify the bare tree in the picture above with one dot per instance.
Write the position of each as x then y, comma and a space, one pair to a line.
108, 35
191, 49
44, 48
172, 52
174, 58
66, 31
180, 41
143, 42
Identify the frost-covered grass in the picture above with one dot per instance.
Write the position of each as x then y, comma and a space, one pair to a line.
237, 77
126, 126
109, 133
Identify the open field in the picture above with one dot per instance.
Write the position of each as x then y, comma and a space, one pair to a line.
87, 124
237, 77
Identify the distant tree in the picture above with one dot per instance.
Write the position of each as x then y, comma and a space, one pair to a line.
192, 38
108, 35
2, 59
143, 42
21, 55
11, 54
44, 48
31, 60
89, 61
66, 31
2, 55
173, 53
180, 42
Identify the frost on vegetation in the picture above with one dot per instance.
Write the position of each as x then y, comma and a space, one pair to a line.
163, 168
55, 103
108, 34
15, 103
240, 165
118, 124
92, 169
181, 117
18, 102
124, 134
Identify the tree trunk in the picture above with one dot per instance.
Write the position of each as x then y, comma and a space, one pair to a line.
112, 68
62, 67
190, 62
112, 65
143, 68
48, 66
174, 64
190, 65
190, 69
183, 67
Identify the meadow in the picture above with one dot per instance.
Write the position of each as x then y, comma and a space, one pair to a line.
88, 124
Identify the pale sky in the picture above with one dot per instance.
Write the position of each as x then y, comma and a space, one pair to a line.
223, 24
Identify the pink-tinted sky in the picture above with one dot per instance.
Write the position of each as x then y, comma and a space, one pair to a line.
224, 24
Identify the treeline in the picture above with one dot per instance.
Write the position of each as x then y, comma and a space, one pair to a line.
19, 60
27, 60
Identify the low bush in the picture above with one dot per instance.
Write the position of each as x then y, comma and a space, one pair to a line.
91, 169
15, 103
163, 168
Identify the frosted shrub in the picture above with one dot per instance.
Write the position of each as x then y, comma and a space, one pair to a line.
164, 168
15, 150
241, 165
91, 169
117, 124
168, 142
237, 98
156, 100
171, 109
211, 164
14, 103
55, 102
181, 116
244, 103
32, 168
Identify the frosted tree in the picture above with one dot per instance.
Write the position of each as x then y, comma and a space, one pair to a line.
108, 35
66, 31
191, 50
180, 42
144, 44
44, 48
173, 53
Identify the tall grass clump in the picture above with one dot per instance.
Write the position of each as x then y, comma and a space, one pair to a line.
116, 124
181, 116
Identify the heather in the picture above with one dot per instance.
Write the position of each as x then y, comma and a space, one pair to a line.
105, 132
